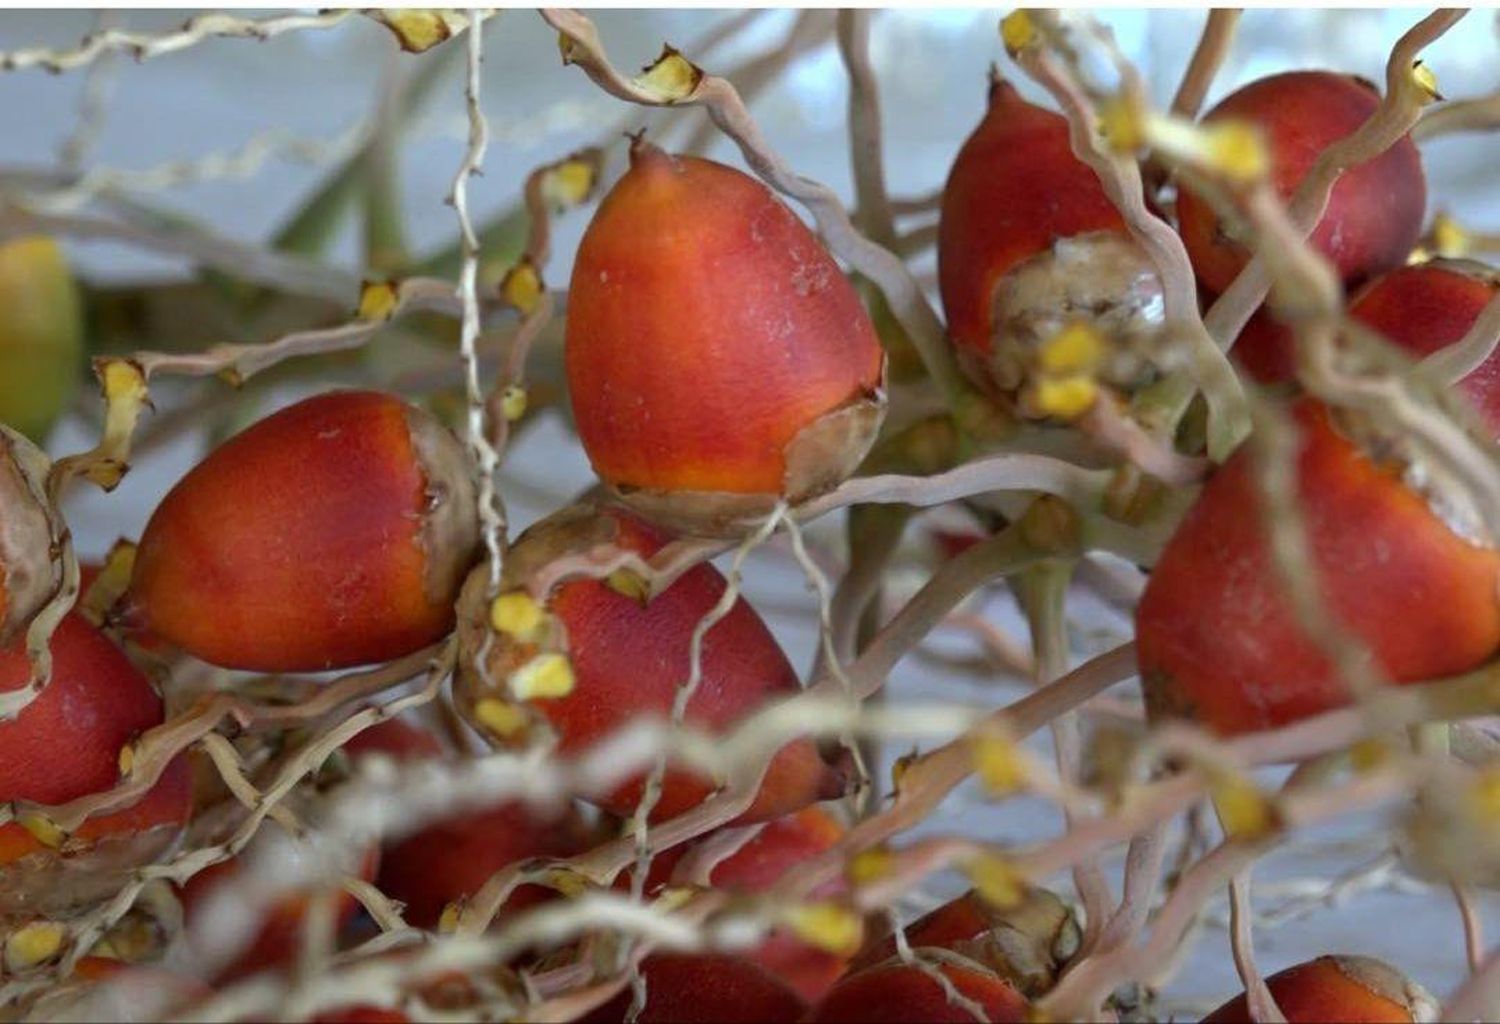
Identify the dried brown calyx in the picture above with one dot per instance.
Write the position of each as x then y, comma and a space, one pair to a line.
29, 574
1388, 983
821, 456
1451, 500
450, 526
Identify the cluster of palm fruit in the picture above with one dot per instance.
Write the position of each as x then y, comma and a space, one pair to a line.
721, 366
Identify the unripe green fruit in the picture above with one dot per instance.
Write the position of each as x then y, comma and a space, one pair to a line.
41, 334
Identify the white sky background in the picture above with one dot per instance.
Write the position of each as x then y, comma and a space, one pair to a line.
932, 68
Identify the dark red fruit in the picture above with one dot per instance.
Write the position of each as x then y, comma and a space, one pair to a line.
1218, 640
449, 861
705, 989
1423, 308
1028, 242
67, 744
623, 659
1374, 215
896, 992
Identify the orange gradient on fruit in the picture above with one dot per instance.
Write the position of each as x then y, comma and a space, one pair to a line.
1355, 990
1014, 190
707, 327
896, 992
298, 544
1217, 637
1374, 214
705, 989
66, 744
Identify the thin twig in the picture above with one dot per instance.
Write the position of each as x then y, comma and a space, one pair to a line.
143, 46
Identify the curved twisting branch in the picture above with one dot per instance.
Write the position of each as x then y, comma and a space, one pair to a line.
560, 185
143, 45
873, 204
380, 303
1405, 98
1208, 57
1481, 114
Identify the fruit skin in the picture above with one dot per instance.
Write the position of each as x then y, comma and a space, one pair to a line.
66, 744
396, 737
330, 534
1374, 214
898, 992
1428, 307
705, 989
628, 660
28, 573
362, 1014
450, 860
1266, 348
1017, 199
1421, 308
778, 847
1355, 989
1028, 944
717, 358
1216, 635
41, 334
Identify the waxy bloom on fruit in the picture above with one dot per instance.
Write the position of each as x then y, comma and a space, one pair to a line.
1027, 944
67, 744
28, 573
333, 533
777, 848
705, 989
1374, 215
1353, 989
896, 992
41, 335
1423, 308
592, 656
1217, 635
717, 358
1029, 244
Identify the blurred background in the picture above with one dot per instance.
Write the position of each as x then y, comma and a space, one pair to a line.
282, 112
